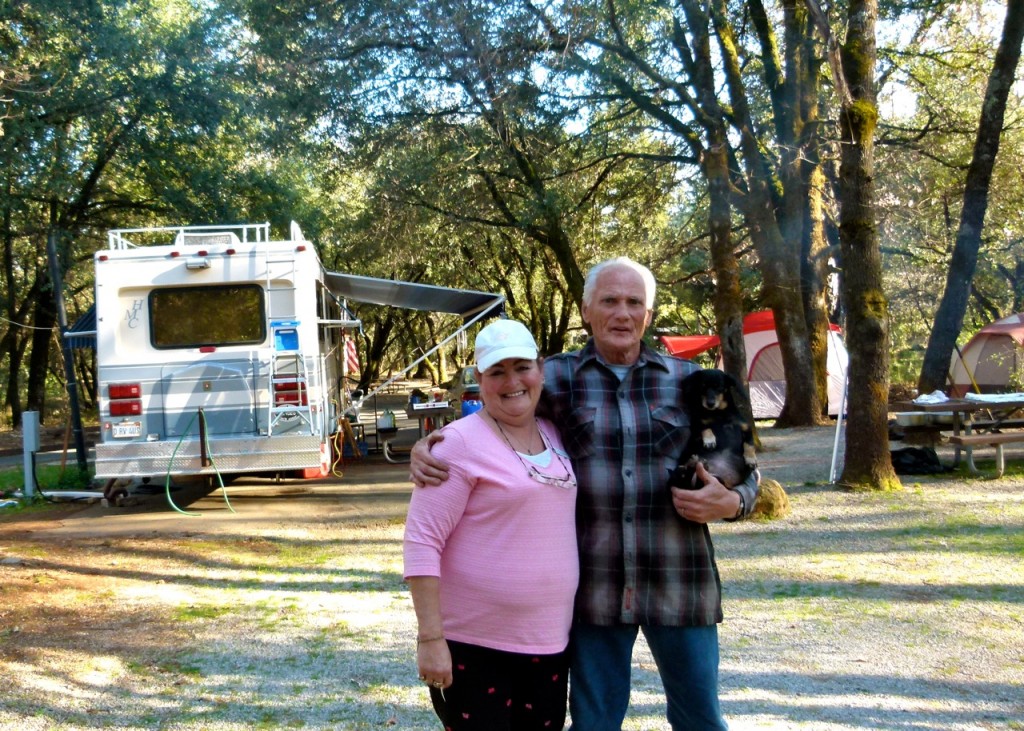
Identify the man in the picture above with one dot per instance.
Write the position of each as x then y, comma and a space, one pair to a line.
646, 558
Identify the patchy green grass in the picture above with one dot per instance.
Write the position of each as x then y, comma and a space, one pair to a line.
193, 612
48, 477
178, 667
965, 534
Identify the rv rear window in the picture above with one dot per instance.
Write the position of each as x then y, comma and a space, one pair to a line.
191, 317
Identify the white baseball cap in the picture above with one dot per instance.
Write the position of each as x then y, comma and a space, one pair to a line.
503, 339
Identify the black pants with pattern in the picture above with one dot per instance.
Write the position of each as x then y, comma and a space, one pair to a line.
494, 690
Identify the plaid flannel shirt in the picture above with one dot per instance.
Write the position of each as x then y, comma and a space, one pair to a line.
640, 562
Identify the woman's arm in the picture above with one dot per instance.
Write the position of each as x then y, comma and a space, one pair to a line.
432, 655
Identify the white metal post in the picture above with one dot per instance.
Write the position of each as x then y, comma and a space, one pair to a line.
30, 445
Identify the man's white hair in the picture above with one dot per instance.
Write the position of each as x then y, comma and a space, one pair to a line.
626, 263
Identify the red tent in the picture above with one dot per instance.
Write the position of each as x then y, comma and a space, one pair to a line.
765, 374
687, 346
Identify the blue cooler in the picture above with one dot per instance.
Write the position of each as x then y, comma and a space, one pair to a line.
471, 407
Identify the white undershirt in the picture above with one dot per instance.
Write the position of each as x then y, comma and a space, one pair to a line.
542, 459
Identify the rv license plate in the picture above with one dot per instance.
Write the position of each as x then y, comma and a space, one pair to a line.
127, 429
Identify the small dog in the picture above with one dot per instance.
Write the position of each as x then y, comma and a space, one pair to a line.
720, 437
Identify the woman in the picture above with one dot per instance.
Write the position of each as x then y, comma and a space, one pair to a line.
490, 555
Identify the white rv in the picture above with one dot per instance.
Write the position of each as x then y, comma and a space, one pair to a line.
220, 350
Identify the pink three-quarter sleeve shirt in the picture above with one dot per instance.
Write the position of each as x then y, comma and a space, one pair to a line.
502, 543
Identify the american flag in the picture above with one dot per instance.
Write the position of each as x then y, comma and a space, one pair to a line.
351, 357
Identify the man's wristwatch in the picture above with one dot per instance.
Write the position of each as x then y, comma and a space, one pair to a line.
743, 506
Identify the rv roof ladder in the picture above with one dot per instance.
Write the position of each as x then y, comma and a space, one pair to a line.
289, 377
280, 284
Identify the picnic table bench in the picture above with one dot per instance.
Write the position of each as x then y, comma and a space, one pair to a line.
989, 439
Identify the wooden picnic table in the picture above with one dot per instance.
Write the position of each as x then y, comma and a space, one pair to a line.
996, 429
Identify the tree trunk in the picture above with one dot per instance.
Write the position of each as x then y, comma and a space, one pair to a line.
39, 359
814, 273
13, 398
379, 341
10, 341
801, 216
728, 297
867, 464
949, 318
13, 344
779, 262
85, 366
728, 300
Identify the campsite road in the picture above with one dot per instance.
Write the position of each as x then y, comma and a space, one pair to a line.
860, 611
368, 489
373, 490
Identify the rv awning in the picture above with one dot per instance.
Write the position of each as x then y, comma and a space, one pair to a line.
472, 306
414, 296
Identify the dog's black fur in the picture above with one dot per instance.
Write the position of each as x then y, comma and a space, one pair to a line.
720, 436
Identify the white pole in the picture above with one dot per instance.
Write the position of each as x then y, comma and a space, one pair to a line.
839, 426
30, 445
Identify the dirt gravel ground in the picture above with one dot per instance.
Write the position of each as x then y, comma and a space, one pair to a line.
284, 607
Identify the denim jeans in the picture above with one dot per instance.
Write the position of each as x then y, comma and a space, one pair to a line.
600, 666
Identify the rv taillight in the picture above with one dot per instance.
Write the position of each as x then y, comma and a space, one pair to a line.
229, 252
103, 257
126, 407
124, 390
175, 254
300, 247
124, 399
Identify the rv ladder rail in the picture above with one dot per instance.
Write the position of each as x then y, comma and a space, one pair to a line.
289, 391
289, 374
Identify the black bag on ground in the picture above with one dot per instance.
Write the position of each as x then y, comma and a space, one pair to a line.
916, 461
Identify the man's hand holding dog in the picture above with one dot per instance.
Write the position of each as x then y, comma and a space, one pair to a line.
712, 502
